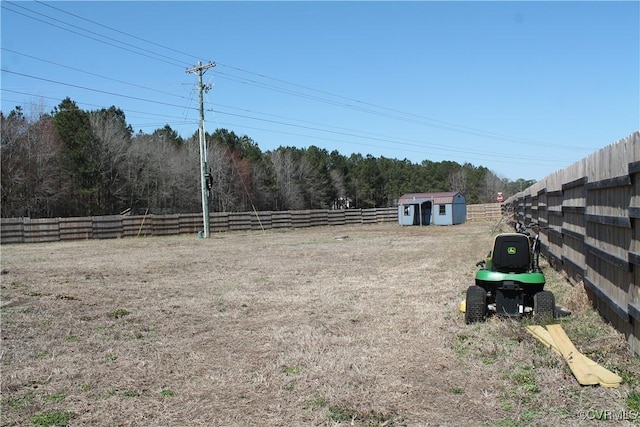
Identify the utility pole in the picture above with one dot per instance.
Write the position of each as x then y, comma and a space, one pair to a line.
200, 69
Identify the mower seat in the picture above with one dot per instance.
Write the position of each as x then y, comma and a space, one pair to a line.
511, 253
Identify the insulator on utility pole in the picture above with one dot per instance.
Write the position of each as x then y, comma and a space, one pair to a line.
205, 180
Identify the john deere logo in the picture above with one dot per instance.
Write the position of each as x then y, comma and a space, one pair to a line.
511, 250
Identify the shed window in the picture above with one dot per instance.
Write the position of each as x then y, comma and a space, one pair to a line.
406, 211
443, 210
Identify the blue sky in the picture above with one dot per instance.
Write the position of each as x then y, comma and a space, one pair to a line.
522, 88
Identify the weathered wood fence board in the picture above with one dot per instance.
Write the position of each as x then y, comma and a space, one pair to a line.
166, 225
75, 228
369, 216
336, 217
12, 230
218, 222
319, 218
106, 227
353, 216
42, 230
592, 210
261, 220
190, 223
239, 221
281, 219
22, 230
137, 226
300, 219
484, 212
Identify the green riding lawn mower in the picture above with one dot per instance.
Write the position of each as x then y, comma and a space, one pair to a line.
510, 282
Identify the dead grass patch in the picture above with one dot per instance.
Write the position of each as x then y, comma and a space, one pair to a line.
293, 327
577, 299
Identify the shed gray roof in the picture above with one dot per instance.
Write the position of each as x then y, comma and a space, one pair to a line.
436, 198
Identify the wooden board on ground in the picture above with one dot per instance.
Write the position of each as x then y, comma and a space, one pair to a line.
586, 371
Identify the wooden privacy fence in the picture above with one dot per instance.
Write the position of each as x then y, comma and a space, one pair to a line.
592, 211
27, 230
484, 212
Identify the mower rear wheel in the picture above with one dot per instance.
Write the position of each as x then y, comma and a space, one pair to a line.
476, 309
544, 307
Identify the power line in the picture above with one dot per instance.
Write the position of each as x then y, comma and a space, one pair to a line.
350, 134
92, 74
116, 30
88, 31
89, 88
135, 125
358, 106
438, 123
486, 156
407, 117
249, 117
479, 155
187, 103
468, 131
84, 103
383, 139
390, 140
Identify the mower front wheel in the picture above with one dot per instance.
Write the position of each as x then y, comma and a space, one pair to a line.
476, 305
544, 307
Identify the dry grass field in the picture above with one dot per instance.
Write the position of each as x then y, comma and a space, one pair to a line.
327, 326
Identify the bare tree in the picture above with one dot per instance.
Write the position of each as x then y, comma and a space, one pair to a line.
31, 184
458, 181
13, 175
492, 185
310, 183
263, 195
222, 191
184, 177
286, 172
147, 171
338, 184
113, 140
231, 170
162, 176
50, 188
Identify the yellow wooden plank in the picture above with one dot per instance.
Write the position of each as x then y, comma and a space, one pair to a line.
543, 336
574, 358
606, 378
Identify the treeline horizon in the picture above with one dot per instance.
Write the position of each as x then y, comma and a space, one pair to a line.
72, 162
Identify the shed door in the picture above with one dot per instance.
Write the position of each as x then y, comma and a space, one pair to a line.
426, 213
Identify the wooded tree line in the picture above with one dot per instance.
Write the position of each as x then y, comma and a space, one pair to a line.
72, 162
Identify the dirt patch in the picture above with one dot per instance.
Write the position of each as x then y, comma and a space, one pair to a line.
353, 325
